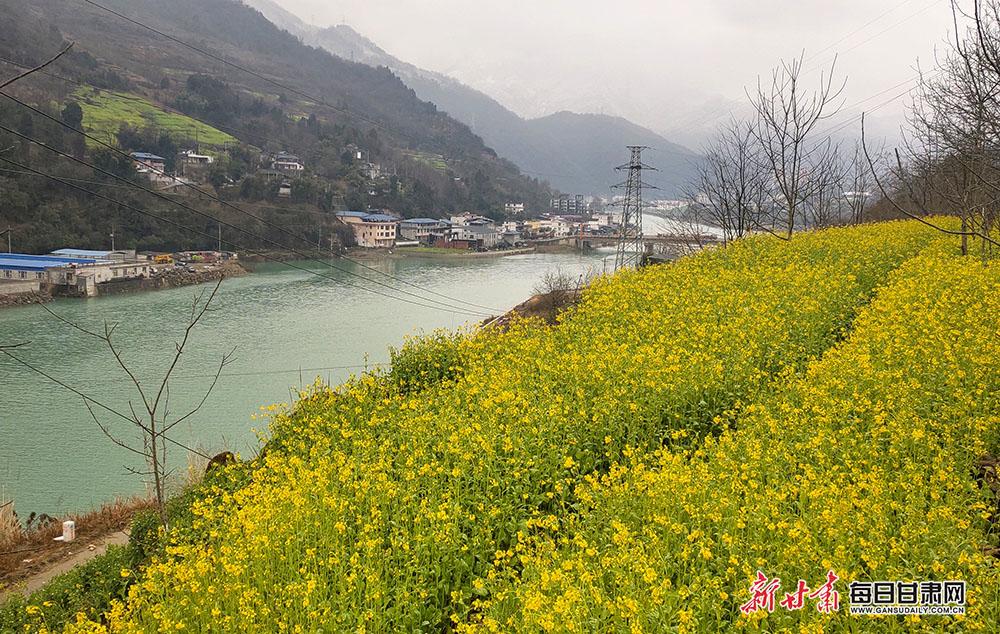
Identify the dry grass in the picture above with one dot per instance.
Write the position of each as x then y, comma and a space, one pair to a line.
10, 529
22, 552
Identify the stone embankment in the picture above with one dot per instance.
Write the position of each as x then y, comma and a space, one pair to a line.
173, 278
23, 299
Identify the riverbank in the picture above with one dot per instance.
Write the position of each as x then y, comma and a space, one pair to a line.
167, 279
172, 278
30, 557
9, 300
363, 254
434, 252
176, 278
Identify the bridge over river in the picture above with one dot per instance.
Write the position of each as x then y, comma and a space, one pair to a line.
592, 241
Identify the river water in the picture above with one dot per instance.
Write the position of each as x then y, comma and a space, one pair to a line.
288, 328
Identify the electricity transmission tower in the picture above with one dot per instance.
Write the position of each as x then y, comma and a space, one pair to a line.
630, 247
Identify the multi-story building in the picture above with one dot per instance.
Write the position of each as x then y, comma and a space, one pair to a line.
371, 230
513, 209
422, 229
287, 163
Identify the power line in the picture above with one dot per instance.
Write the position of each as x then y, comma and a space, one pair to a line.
182, 377
75, 180
213, 238
36, 68
140, 100
700, 119
90, 399
880, 33
238, 209
829, 132
272, 243
858, 30
244, 69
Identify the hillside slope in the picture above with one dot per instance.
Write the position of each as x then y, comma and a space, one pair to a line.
371, 100
473, 486
577, 153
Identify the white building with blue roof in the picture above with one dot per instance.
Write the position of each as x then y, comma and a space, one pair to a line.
110, 256
75, 273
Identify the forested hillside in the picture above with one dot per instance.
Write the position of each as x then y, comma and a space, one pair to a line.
577, 153
365, 138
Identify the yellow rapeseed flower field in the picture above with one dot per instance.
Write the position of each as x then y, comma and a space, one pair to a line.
864, 465
628, 469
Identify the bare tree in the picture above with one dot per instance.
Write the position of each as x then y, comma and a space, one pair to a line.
787, 116
950, 159
731, 186
826, 186
153, 420
857, 185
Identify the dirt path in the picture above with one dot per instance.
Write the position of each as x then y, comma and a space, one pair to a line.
78, 552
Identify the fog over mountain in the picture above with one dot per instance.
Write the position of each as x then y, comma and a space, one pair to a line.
575, 152
672, 66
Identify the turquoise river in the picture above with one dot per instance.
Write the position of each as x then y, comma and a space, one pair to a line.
287, 327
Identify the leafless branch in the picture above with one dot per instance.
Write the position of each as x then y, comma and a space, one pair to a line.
888, 197
226, 360
36, 68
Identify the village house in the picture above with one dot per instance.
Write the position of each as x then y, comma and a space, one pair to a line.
563, 226
512, 233
422, 229
371, 230
287, 163
477, 231
469, 218
194, 165
479, 235
151, 166
513, 209
148, 163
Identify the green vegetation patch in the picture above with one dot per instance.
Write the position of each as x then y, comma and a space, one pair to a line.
104, 113
433, 160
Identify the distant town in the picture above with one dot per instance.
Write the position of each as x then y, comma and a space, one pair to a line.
571, 219
384, 229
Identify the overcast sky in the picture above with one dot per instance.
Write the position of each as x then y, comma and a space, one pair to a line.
667, 64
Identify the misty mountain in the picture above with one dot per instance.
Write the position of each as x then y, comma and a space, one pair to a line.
576, 153
366, 140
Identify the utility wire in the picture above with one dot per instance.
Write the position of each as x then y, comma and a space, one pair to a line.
272, 243
829, 132
36, 68
244, 69
269, 372
238, 209
213, 237
140, 100
858, 30
876, 35
90, 399
696, 120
